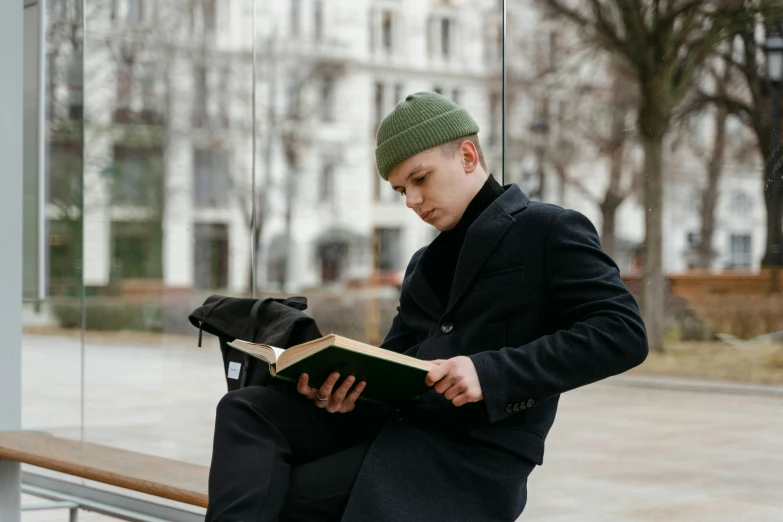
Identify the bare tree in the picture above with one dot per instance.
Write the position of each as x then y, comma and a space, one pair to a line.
720, 76
663, 42
752, 104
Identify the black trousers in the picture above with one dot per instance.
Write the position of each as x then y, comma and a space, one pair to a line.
278, 457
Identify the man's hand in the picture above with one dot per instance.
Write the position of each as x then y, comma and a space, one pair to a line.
337, 401
456, 379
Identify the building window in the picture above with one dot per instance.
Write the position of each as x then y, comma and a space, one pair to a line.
75, 88
327, 98
137, 251
693, 238
292, 95
203, 15
326, 181
333, 256
210, 256
441, 36
136, 177
495, 108
210, 177
319, 21
199, 96
740, 204
398, 93
387, 30
295, 15
379, 105
387, 243
445, 37
129, 11
223, 97
739, 251
124, 85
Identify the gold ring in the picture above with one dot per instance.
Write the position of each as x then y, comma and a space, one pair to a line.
319, 397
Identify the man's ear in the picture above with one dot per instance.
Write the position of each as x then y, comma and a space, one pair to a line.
469, 156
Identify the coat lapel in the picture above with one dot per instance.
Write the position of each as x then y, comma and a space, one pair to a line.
420, 290
482, 237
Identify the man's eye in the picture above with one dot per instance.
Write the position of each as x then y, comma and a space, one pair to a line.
401, 193
421, 179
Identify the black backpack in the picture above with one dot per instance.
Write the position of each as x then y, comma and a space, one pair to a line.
278, 322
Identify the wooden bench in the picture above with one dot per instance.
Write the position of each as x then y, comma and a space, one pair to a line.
160, 477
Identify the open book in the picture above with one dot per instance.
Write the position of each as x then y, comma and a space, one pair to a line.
390, 376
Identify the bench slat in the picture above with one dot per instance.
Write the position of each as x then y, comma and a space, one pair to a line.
165, 478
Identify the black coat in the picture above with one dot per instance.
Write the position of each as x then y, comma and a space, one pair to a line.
540, 309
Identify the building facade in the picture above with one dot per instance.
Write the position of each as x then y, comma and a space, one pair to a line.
182, 183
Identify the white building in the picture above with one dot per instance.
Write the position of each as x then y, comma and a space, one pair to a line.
169, 91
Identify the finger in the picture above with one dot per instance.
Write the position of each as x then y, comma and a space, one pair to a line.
436, 374
439, 361
326, 387
354, 395
302, 387
462, 399
339, 394
455, 391
452, 379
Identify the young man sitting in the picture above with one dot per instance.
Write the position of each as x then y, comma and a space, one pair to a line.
515, 302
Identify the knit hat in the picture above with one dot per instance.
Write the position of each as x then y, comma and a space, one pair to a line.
422, 121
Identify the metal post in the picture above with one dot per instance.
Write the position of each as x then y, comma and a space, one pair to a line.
776, 250
11, 96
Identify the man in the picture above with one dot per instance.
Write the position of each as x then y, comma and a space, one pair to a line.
514, 301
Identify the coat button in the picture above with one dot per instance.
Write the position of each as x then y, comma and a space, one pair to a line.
530, 403
516, 407
446, 328
522, 406
509, 408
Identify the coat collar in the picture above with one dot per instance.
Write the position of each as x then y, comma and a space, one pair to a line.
481, 239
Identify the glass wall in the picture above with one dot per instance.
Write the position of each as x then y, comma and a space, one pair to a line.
198, 147
176, 149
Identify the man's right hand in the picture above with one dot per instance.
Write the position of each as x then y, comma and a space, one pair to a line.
337, 401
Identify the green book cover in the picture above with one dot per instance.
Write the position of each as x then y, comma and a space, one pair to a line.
390, 377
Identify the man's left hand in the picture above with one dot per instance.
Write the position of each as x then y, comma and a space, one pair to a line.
456, 379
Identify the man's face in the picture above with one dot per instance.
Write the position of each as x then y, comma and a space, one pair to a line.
439, 186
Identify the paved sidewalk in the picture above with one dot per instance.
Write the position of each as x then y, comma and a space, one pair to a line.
616, 452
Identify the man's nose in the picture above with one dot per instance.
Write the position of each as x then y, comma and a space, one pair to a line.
412, 198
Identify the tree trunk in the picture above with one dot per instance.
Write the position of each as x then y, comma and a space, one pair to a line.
709, 198
609, 207
772, 200
612, 200
653, 282
773, 192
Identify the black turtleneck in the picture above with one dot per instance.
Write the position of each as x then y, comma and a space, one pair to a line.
440, 261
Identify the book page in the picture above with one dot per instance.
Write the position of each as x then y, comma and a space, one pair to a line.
260, 351
278, 351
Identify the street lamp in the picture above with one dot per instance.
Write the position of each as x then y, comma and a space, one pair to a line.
773, 48
774, 51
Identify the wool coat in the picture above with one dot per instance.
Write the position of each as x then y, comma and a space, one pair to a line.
540, 309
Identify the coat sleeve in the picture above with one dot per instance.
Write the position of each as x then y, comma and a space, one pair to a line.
605, 335
400, 336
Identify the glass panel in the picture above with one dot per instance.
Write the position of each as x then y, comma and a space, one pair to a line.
53, 225
676, 162
168, 138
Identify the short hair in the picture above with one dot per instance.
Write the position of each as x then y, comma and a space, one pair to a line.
450, 147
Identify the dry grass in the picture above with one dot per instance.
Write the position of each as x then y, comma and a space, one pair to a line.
760, 364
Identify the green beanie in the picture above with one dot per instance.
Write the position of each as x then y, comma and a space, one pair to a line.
422, 121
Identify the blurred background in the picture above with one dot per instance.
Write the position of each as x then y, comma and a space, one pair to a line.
175, 149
